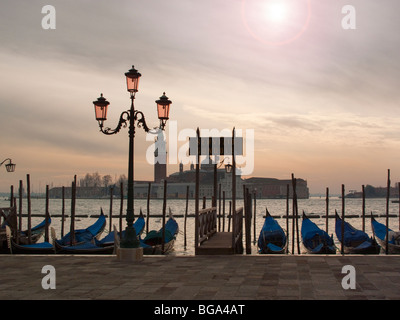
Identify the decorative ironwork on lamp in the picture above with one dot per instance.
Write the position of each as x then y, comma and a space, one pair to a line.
10, 167
130, 116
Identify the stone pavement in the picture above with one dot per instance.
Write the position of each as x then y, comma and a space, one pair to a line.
237, 277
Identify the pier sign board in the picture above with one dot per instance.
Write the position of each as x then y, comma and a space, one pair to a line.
215, 146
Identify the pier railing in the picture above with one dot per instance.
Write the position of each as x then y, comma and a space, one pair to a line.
207, 225
210, 241
237, 228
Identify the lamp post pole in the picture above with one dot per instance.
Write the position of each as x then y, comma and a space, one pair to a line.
130, 239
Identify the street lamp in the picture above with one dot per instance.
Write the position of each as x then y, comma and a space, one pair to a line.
10, 167
130, 240
228, 168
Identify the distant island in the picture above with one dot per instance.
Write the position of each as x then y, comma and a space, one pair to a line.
374, 192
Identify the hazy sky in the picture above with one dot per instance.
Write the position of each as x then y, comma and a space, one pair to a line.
323, 101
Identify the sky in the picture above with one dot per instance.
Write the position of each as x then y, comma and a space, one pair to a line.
322, 100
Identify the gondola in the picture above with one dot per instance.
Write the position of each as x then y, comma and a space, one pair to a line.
314, 239
108, 240
36, 232
35, 248
10, 219
82, 236
152, 243
379, 231
355, 241
272, 238
84, 248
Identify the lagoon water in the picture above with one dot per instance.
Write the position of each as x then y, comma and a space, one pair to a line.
277, 207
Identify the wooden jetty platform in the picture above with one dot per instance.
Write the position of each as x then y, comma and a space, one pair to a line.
211, 242
219, 244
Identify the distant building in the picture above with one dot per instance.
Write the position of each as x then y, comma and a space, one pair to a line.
179, 182
206, 179
271, 188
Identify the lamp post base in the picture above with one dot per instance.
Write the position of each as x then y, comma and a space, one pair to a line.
130, 240
130, 254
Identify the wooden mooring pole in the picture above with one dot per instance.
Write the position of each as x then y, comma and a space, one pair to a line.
295, 216
186, 213
28, 196
247, 221
363, 208
254, 217
219, 207
327, 210
11, 196
121, 207
229, 216
20, 210
287, 217
72, 226
47, 215
398, 185
148, 208
111, 208
62, 210
387, 212
342, 227
223, 211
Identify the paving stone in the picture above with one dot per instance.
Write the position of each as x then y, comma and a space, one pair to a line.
201, 277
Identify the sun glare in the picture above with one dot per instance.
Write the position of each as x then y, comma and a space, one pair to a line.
276, 11
276, 22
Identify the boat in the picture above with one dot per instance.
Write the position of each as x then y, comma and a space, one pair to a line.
35, 248
314, 239
9, 216
108, 240
272, 238
355, 241
379, 230
82, 236
84, 248
36, 232
152, 243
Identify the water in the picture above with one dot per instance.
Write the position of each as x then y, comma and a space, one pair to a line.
312, 207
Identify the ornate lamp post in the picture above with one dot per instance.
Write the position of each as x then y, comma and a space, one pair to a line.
130, 240
10, 167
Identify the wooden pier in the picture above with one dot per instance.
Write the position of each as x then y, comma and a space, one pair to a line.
208, 241
211, 242
219, 244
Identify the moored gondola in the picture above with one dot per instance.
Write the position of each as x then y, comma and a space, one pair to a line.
108, 240
82, 236
355, 241
379, 230
272, 238
152, 243
36, 232
35, 248
314, 239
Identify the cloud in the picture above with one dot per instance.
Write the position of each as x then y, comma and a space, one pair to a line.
329, 97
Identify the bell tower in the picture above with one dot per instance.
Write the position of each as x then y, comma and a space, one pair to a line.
160, 159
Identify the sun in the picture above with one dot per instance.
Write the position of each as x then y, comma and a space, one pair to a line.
276, 22
276, 11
